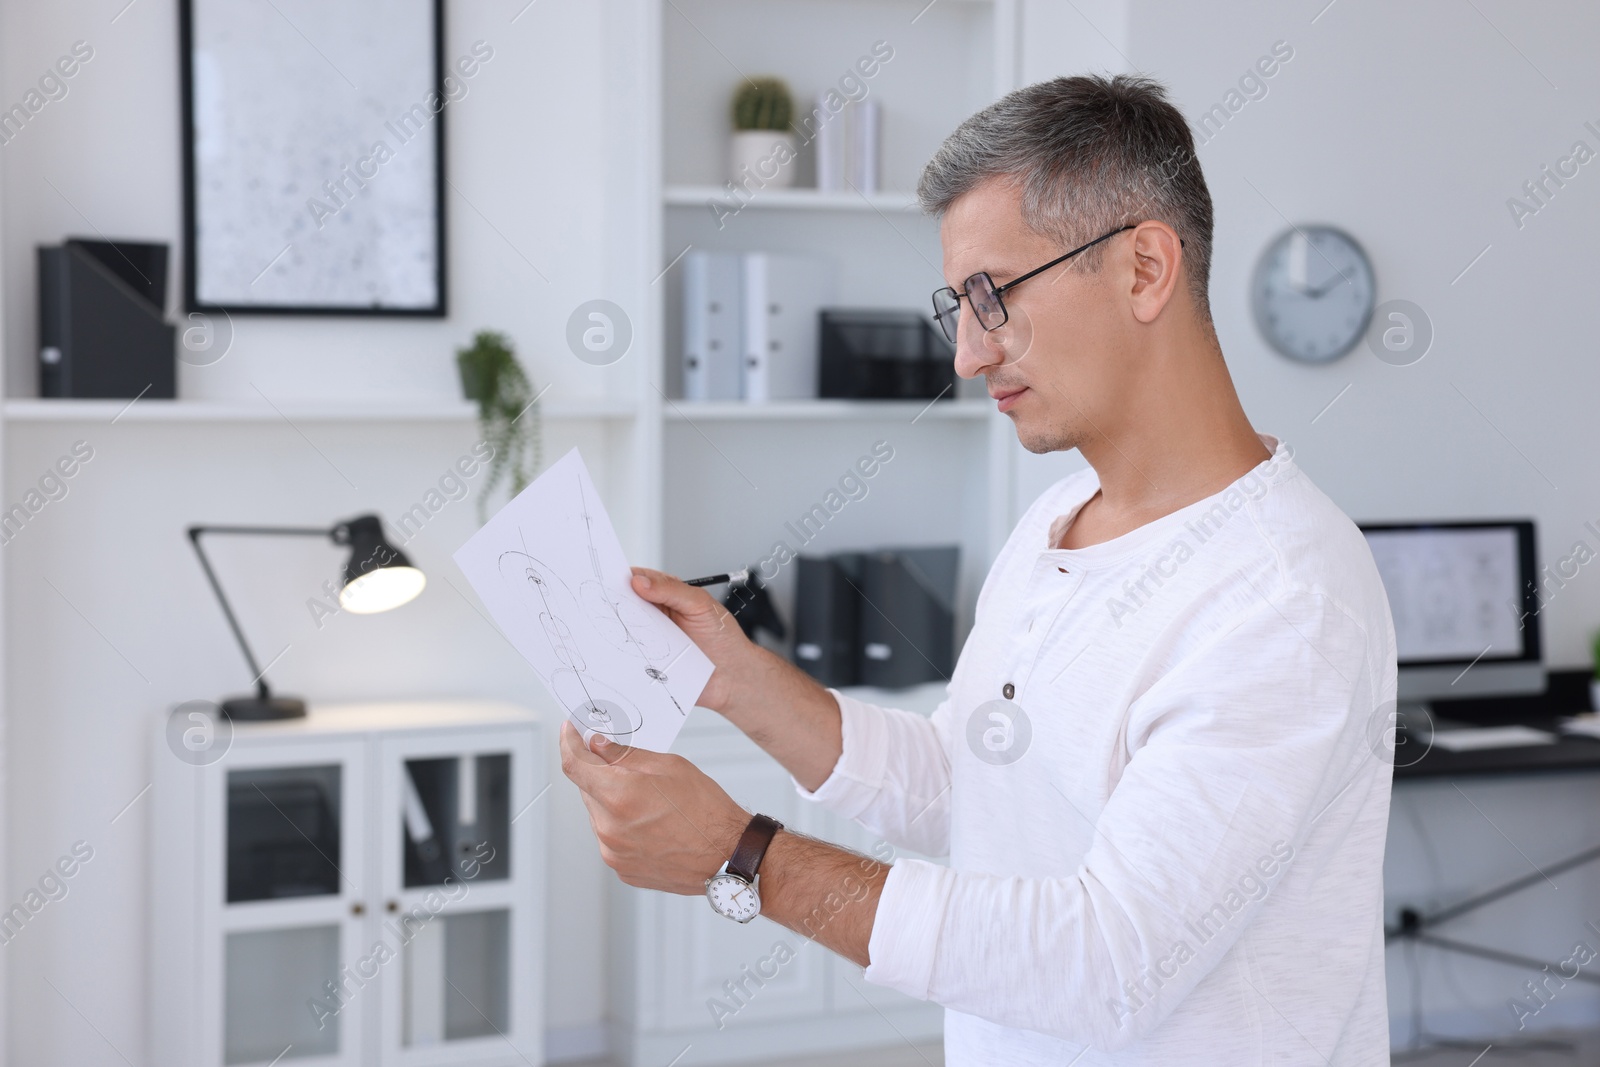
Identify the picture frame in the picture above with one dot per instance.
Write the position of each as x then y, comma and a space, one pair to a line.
313, 157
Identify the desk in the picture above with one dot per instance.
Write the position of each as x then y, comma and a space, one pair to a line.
1566, 693
1569, 753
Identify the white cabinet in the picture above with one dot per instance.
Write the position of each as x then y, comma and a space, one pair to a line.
718, 483
362, 886
684, 978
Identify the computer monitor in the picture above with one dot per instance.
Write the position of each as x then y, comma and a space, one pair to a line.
1463, 595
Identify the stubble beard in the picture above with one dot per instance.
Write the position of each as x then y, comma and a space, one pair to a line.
1046, 439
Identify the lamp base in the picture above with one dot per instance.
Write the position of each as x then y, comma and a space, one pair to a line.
255, 709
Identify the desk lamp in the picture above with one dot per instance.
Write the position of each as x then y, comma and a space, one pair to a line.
376, 578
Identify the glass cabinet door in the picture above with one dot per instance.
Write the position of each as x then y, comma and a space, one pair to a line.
458, 864
457, 979
283, 832
288, 979
269, 978
457, 818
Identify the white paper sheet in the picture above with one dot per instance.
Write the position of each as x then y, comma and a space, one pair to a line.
551, 571
1473, 738
1587, 724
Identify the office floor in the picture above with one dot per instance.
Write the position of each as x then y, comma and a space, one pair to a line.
903, 1055
1585, 1050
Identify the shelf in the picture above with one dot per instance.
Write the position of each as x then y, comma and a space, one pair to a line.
789, 199
826, 410
35, 410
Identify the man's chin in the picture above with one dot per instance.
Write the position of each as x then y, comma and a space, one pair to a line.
1041, 442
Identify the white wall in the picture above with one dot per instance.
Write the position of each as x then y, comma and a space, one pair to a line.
129, 627
1409, 125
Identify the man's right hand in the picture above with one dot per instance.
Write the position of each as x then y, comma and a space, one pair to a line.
775, 703
710, 626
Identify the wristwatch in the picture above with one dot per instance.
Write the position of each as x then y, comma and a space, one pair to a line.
733, 889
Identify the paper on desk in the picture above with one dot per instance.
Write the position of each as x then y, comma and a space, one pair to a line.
1473, 738
1587, 724
550, 569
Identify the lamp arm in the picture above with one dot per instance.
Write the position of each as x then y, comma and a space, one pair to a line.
233, 623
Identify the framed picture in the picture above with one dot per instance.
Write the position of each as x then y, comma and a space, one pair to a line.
314, 156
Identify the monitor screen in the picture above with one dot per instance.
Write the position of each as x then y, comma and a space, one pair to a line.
1455, 592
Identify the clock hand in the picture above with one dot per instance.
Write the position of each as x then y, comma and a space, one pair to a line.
1322, 289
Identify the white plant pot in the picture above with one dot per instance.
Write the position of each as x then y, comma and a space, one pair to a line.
1594, 693
762, 159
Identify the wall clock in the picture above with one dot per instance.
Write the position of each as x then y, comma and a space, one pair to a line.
1312, 293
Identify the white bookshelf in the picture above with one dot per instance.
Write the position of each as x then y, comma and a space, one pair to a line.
37, 410
949, 60
722, 478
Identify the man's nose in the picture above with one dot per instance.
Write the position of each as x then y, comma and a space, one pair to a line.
976, 348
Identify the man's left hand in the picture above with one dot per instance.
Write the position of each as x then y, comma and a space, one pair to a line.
661, 822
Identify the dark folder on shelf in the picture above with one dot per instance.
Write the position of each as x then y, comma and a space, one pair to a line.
101, 332
907, 627
826, 607
884, 618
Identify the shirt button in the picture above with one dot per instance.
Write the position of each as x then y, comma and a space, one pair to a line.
1008, 690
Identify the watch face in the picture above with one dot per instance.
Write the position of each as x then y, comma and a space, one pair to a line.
1312, 293
734, 897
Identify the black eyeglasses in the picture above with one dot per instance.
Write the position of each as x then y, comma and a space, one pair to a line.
984, 296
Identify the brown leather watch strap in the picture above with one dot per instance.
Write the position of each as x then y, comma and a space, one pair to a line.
746, 859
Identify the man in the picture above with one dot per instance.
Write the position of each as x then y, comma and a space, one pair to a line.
1162, 770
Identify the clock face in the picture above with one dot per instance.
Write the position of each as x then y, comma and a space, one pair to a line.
733, 897
1312, 293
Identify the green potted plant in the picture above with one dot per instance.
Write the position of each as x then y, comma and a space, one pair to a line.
763, 148
508, 412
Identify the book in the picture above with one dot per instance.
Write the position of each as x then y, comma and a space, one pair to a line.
866, 127
830, 144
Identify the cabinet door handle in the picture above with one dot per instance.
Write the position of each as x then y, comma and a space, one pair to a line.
358, 908
393, 906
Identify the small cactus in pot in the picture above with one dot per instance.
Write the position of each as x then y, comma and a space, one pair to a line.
763, 104
763, 148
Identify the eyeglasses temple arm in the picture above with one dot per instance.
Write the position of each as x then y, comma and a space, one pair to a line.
1000, 290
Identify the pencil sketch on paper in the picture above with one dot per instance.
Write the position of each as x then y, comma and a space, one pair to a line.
551, 571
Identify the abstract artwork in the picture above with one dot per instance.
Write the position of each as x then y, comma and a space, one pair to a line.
313, 160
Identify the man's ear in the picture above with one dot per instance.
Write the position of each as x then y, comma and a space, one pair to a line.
1157, 262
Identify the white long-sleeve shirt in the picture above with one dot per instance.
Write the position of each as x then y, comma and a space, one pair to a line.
1167, 846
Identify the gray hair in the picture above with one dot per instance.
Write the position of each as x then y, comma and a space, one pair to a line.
1089, 154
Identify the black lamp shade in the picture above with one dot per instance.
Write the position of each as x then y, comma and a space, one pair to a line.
377, 576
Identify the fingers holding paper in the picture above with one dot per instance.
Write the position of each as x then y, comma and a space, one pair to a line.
776, 704
661, 822
708, 624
